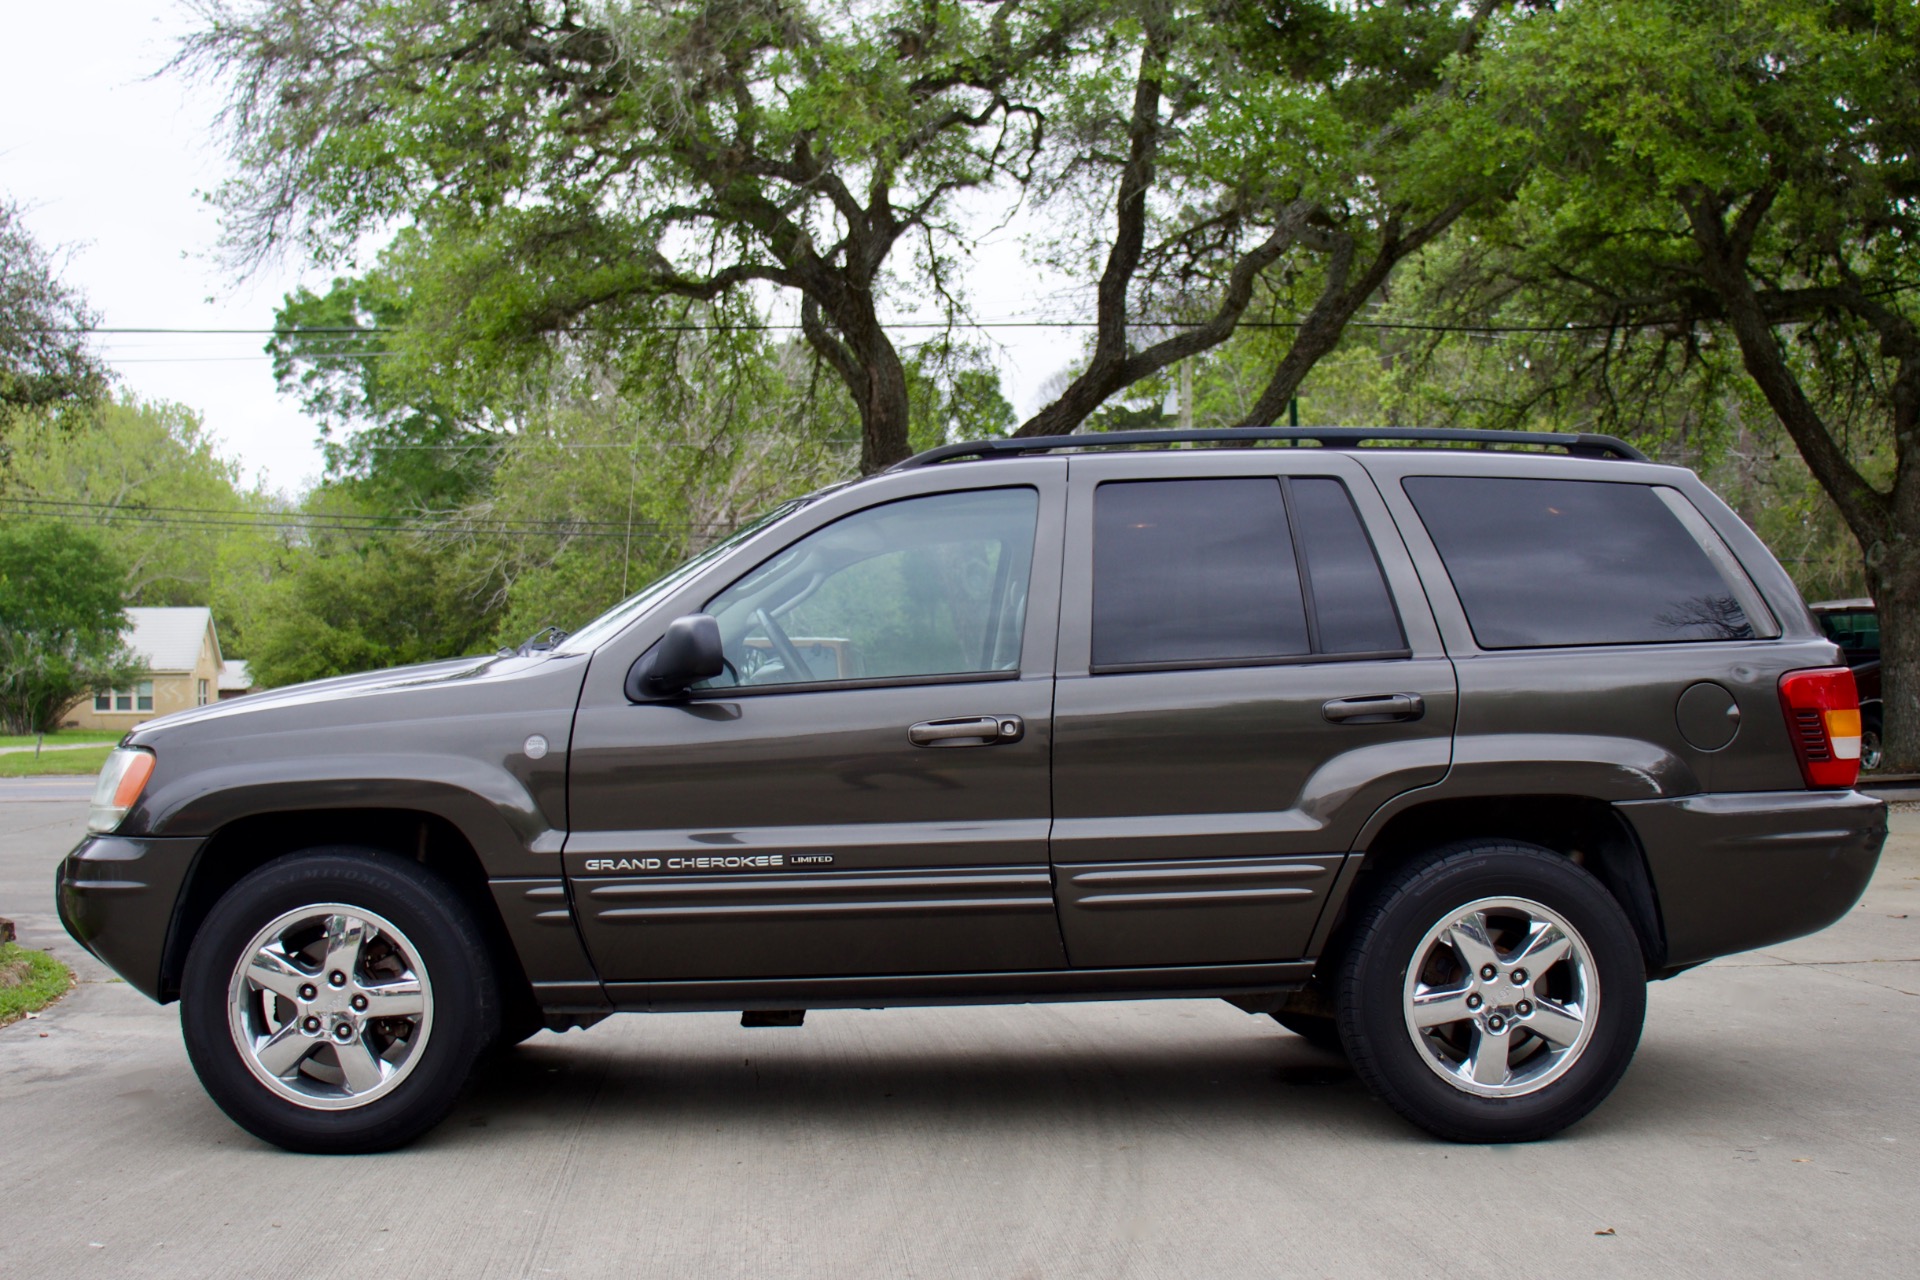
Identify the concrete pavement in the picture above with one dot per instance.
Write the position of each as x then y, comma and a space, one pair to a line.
1768, 1127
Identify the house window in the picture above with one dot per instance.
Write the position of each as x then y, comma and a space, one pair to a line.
137, 698
201, 696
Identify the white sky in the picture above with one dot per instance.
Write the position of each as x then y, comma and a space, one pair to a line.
107, 163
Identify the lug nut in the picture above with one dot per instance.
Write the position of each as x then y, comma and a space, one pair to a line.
1473, 1002
360, 1003
343, 1032
1524, 1008
311, 1024
1519, 977
1496, 1023
308, 992
1488, 972
337, 979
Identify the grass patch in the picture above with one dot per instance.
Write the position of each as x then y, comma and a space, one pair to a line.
22, 764
63, 736
29, 981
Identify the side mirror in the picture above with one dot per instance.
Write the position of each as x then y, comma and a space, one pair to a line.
689, 653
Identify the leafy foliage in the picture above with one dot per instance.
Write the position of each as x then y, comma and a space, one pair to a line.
43, 324
144, 477
341, 600
61, 619
390, 431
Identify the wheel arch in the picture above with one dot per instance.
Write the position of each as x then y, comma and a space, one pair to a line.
246, 844
1588, 831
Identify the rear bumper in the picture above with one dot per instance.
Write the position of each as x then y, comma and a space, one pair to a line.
118, 898
1738, 871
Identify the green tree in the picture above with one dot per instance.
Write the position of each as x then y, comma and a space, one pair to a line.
345, 596
145, 478
43, 326
601, 492
570, 174
61, 619
1263, 161
389, 430
564, 165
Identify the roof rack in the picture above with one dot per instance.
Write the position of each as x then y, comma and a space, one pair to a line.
1583, 445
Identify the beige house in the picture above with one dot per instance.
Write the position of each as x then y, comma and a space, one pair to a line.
182, 656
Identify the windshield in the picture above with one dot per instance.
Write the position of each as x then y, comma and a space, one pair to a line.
608, 624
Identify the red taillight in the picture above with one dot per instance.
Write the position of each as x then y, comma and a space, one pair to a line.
1823, 719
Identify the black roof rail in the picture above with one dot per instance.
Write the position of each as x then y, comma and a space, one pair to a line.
1583, 445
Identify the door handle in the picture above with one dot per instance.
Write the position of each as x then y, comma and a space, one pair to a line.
968, 731
1377, 708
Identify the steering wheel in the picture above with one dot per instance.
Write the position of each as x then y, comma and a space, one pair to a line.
789, 656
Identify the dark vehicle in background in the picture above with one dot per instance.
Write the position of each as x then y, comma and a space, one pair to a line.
1854, 625
1434, 746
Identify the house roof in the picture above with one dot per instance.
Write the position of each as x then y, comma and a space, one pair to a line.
234, 675
169, 639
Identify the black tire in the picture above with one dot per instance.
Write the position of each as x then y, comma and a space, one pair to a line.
1321, 1033
1372, 993
444, 944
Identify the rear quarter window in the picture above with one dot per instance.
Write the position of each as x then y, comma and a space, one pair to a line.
1539, 563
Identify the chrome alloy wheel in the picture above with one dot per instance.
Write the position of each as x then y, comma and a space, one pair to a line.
330, 1006
1501, 997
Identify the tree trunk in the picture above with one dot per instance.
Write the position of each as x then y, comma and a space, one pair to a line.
1894, 579
882, 397
859, 350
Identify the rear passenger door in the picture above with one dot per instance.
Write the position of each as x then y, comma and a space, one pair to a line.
1248, 669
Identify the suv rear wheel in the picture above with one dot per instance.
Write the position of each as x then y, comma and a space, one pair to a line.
1493, 992
335, 1001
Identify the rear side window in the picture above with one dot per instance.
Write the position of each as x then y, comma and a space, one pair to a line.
1203, 572
1540, 563
1351, 607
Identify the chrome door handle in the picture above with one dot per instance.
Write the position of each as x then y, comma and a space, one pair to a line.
968, 731
1377, 708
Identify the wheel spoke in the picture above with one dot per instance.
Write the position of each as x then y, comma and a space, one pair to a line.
1488, 1065
394, 999
1438, 1007
273, 971
1469, 938
283, 1051
1555, 1023
345, 936
1546, 947
359, 1066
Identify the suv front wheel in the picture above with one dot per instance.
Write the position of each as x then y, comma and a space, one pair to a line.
335, 1001
1492, 992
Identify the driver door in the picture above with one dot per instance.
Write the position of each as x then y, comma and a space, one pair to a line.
866, 790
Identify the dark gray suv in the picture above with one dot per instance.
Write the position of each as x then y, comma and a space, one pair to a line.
1434, 746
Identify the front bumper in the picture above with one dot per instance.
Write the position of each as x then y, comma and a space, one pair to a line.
1737, 871
118, 897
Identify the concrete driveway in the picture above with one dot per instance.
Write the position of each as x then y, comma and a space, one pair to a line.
1767, 1128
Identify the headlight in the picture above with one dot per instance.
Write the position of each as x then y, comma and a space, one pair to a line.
121, 781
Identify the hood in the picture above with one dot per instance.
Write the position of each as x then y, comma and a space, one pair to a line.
365, 685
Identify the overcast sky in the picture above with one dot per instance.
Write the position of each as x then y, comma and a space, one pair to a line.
107, 163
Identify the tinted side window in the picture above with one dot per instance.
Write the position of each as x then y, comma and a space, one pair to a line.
1569, 562
921, 587
1351, 607
1194, 571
